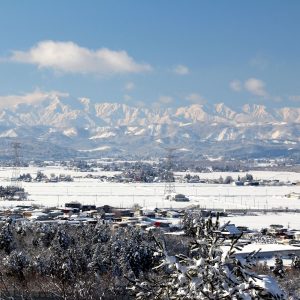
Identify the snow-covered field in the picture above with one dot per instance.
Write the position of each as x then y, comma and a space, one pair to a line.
91, 191
288, 220
257, 175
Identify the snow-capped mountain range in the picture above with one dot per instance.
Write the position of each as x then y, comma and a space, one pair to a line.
87, 128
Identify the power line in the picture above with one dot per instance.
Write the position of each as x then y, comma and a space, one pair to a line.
17, 165
169, 179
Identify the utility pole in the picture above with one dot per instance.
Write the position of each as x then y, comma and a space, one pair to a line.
169, 180
17, 165
15, 182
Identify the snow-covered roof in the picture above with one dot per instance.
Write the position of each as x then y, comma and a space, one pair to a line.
231, 229
266, 250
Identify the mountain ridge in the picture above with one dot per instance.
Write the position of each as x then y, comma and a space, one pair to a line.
83, 125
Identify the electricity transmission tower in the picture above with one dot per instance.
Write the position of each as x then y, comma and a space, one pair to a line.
169, 180
17, 165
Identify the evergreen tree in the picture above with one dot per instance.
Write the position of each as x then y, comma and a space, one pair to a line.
296, 262
278, 269
207, 272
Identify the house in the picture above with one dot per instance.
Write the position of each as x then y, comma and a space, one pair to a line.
109, 216
149, 213
243, 229
74, 204
297, 235
88, 207
177, 197
120, 212
173, 214
68, 211
238, 183
161, 224
231, 231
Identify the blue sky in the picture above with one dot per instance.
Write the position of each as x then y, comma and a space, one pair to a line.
156, 53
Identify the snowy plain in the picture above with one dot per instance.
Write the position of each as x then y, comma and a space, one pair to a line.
207, 196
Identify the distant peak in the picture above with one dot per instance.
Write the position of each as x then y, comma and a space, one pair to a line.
86, 103
84, 100
246, 108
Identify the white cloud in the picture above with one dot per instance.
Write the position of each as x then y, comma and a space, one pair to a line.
252, 85
236, 85
129, 86
29, 98
165, 99
256, 87
196, 98
181, 70
68, 57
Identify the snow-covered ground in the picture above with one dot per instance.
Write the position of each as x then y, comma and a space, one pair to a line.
257, 175
91, 191
288, 220
151, 195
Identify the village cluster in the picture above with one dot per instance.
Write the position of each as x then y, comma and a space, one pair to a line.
274, 241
